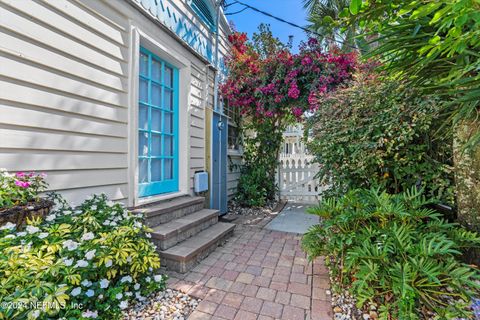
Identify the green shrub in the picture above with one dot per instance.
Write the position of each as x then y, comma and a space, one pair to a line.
262, 142
20, 188
254, 186
394, 251
376, 132
79, 263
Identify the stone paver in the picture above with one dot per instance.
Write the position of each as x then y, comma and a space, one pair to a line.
258, 274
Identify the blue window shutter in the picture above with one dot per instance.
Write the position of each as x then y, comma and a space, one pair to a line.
203, 10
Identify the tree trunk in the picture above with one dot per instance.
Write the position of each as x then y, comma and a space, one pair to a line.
467, 179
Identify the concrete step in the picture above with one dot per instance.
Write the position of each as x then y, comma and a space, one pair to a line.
169, 234
167, 210
185, 255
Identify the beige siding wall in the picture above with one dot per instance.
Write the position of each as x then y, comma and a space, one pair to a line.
234, 157
63, 94
65, 75
233, 173
198, 103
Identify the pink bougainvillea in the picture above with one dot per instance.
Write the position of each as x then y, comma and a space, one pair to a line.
285, 83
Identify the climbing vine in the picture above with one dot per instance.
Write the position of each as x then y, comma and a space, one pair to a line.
272, 88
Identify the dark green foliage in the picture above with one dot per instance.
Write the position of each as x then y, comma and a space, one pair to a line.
257, 179
432, 44
376, 132
392, 250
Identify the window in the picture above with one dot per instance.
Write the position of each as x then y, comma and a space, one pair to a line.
158, 125
202, 9
234, 136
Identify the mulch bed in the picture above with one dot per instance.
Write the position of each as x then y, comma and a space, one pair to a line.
254, 216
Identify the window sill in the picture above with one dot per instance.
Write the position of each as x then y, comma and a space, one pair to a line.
234, 153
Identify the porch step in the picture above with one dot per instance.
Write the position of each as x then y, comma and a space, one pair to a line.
169, 234
168, 210
186, 254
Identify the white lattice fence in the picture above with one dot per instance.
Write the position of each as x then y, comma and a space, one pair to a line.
295, 178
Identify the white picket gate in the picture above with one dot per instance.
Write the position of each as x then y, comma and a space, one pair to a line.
296, 178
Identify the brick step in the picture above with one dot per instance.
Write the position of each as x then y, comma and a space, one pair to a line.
185, 255
168, 210
169, 234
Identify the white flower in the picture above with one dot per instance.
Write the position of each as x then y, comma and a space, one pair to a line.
123, 304
148, 235
94, 207
35, 314
136, 286
88, 236
148, 279
86, 283
119, 296
21, 234
158, 278
106, 223
82, 263
32, 229
139, 296
70, 245
108, 263
75, 292
126, 279
67, 212
90, 293
100, 296
90, 254
43, 235
128, 294
104, 283
50, 217
113, 224
110, 203
68, 262
90, 314
8, 226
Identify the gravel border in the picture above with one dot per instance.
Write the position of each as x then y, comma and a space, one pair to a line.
163, 305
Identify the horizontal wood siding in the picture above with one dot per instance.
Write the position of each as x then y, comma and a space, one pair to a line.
196, 116
233, 174
63, 94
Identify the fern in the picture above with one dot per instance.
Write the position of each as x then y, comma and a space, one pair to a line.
393, 245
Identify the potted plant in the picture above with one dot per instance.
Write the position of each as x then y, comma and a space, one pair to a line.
19, 197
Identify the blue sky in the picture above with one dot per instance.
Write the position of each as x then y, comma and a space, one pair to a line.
290, 10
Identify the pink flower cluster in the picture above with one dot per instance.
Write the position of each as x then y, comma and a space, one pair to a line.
25, 180
293, 91
283, 83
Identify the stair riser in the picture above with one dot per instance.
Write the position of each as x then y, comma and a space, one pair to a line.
153, 220
164, 244
185, 266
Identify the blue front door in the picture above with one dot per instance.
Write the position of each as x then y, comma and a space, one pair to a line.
158, 126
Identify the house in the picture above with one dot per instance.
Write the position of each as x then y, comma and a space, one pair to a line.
120, 97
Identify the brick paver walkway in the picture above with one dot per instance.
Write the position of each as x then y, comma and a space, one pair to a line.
258, 274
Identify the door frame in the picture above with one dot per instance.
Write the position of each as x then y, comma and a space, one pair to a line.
166, 48
224, 189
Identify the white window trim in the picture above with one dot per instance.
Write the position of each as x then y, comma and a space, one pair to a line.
141, 37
